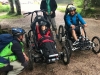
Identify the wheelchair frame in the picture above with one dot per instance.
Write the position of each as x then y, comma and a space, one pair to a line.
83, 45
34, 52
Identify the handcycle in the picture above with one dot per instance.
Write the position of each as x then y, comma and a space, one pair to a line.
35, 53
85, 44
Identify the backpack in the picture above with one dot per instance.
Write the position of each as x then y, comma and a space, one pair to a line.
5, 39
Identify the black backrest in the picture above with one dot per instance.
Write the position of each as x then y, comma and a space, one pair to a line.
38, 19
66, 26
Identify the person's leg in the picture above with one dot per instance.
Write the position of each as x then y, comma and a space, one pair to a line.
82, 33
54, 27
74, 35
17, 68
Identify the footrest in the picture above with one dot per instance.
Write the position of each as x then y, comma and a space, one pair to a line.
53, 55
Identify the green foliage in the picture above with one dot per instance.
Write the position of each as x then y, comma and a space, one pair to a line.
4, 8
64, 1
61, 8
12, 16
95, 3
79, 10
78, 3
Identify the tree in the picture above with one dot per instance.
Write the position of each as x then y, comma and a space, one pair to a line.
11, 6
95, 2
86, 4
18, 7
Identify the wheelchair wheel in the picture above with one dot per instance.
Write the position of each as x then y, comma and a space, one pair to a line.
96, 43
60, 33
65, 56
68, 44
31, 61
27, 41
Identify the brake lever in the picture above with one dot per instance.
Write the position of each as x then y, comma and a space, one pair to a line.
27, 14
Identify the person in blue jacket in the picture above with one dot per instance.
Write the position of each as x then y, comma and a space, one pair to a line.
73, 19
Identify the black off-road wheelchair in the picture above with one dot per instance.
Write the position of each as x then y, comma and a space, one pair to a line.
86, 44
46, 54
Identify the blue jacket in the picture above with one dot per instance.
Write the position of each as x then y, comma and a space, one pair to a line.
74, 20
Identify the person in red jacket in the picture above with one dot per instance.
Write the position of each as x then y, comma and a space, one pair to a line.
44, 33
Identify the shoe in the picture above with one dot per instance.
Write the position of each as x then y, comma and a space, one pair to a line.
57, 36
76, 42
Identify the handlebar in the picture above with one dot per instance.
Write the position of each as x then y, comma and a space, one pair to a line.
36, 11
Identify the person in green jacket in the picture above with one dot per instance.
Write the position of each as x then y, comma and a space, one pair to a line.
49, 7
15, 60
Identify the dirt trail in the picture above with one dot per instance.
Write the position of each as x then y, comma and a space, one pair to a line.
81, 62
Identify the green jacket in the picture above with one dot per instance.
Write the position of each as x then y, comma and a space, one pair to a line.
8, 54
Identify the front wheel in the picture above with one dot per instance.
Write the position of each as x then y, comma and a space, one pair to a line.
65, 56
96, 44
68, 44
31, 61
60, 32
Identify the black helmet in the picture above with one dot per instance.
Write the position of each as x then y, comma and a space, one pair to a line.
42, 23
71, 8
18, 31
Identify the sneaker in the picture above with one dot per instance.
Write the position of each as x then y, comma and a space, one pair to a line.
57, 36
76, 42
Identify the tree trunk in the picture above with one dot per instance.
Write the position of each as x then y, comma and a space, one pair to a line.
86, 4
11, 6
18, 7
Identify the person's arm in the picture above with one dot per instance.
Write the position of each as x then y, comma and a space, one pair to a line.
68, 20
81, 20
25, 56
17, 50
54, 6
42, 5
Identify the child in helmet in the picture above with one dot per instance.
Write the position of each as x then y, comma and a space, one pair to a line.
44, 32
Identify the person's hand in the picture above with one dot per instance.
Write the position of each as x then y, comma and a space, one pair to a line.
51, 12
26, 58
72, 26
85, 25
47, 13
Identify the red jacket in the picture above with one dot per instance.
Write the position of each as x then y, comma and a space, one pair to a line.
47, 37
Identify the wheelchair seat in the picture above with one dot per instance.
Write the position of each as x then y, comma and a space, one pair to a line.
38, 19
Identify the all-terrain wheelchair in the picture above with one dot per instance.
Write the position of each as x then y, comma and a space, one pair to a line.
86, 44
48, 53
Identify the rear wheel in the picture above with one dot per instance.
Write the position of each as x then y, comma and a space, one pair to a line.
96, 44
68, 44
60, 32
27, 41
65, 56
